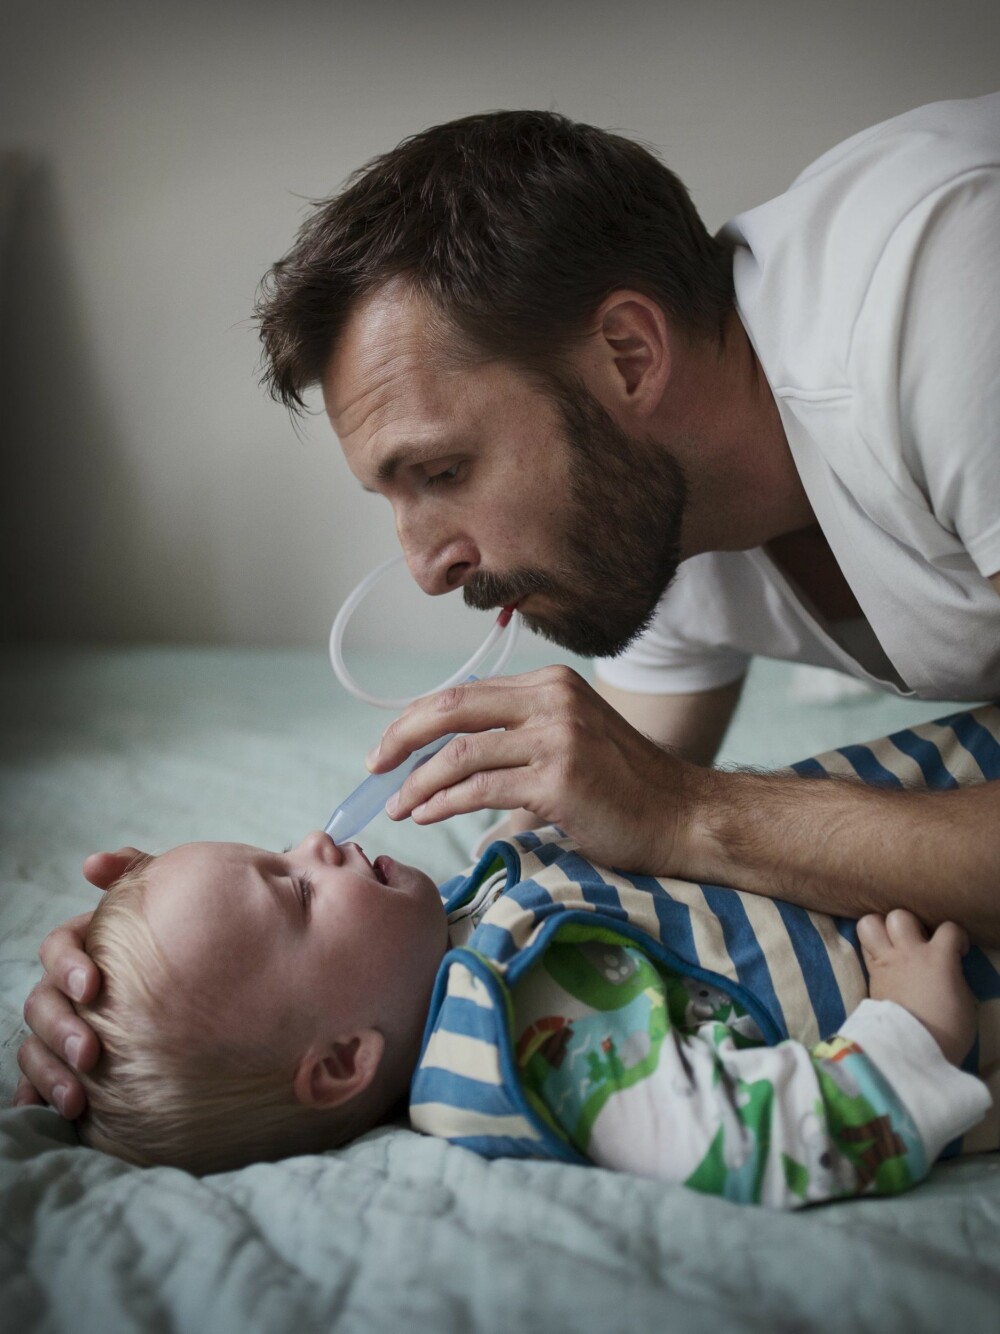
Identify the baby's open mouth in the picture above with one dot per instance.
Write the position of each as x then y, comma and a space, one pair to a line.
382, 866
378, 868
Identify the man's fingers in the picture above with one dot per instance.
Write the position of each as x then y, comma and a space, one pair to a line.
102, 869
479, 706
52, 1080
26, 1095
59, 1028
67, 965
476, 753
491, 790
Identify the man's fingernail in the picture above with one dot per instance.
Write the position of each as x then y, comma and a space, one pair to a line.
372, 755
59, 1095
393, 804
72, 1050
77, 982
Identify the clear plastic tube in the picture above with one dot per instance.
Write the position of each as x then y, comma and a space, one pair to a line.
463, 673
359, 809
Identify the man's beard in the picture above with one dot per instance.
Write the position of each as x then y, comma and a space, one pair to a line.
621, 536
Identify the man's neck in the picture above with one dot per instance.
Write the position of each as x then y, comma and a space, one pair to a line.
722, 422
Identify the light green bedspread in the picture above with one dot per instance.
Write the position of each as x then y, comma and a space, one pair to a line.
395, 1232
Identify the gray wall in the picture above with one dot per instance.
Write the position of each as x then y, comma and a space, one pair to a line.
150, 491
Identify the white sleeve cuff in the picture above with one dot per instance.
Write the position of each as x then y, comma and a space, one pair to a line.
944, 1101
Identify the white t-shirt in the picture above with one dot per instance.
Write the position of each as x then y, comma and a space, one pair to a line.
871, 293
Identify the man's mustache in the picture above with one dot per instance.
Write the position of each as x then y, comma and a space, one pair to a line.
484, 591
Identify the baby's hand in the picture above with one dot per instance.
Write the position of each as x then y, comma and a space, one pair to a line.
923, 975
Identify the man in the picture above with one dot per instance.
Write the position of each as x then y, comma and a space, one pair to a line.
672, 451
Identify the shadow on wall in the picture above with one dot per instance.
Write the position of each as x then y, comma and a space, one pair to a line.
59, 441
76, 552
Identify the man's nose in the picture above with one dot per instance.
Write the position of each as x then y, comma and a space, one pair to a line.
439, 569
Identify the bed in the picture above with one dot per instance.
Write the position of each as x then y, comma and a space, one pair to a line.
158, 746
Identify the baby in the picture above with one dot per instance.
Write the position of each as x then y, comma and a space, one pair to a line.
261, 1004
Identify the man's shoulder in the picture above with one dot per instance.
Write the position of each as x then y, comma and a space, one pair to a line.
822, 245
840, 209
950, 133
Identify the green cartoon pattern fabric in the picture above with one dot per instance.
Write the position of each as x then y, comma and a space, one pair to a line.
637, 1067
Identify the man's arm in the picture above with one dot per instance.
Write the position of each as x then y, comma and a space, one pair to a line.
692, 724
797, 840
840, 846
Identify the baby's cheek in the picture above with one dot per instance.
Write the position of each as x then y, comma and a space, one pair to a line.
259, 1002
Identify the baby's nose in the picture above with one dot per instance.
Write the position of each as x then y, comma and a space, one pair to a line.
322, 847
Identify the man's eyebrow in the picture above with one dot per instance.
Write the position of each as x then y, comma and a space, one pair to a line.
390, 465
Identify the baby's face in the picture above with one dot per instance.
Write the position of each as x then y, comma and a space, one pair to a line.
309, 944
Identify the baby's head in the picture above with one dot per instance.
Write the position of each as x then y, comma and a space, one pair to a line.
256, 1004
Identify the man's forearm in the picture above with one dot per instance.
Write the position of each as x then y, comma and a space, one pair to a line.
844, 847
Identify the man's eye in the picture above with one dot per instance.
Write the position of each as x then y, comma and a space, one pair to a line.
443, 477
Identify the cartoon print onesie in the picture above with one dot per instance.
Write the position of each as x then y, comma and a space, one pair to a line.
691, 1033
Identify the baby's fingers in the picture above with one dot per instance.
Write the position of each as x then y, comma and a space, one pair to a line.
905, 927
951, 936
873, 934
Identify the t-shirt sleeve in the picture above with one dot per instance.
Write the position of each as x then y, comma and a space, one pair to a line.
949, 361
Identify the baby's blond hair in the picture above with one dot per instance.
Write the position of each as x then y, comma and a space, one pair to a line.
170, 1088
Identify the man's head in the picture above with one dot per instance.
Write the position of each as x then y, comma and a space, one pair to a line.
256, 1003
514, 225
462, 281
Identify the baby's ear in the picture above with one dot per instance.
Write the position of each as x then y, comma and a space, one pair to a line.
330, 1075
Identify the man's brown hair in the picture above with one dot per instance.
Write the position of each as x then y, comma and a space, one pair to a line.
515, 224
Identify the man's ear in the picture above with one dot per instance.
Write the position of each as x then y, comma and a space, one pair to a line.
330, 1075
634, 347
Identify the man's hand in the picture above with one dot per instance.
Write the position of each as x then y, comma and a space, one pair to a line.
563, 753
837, 846
60, 1041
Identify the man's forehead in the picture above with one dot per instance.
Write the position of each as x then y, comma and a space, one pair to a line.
385, 353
